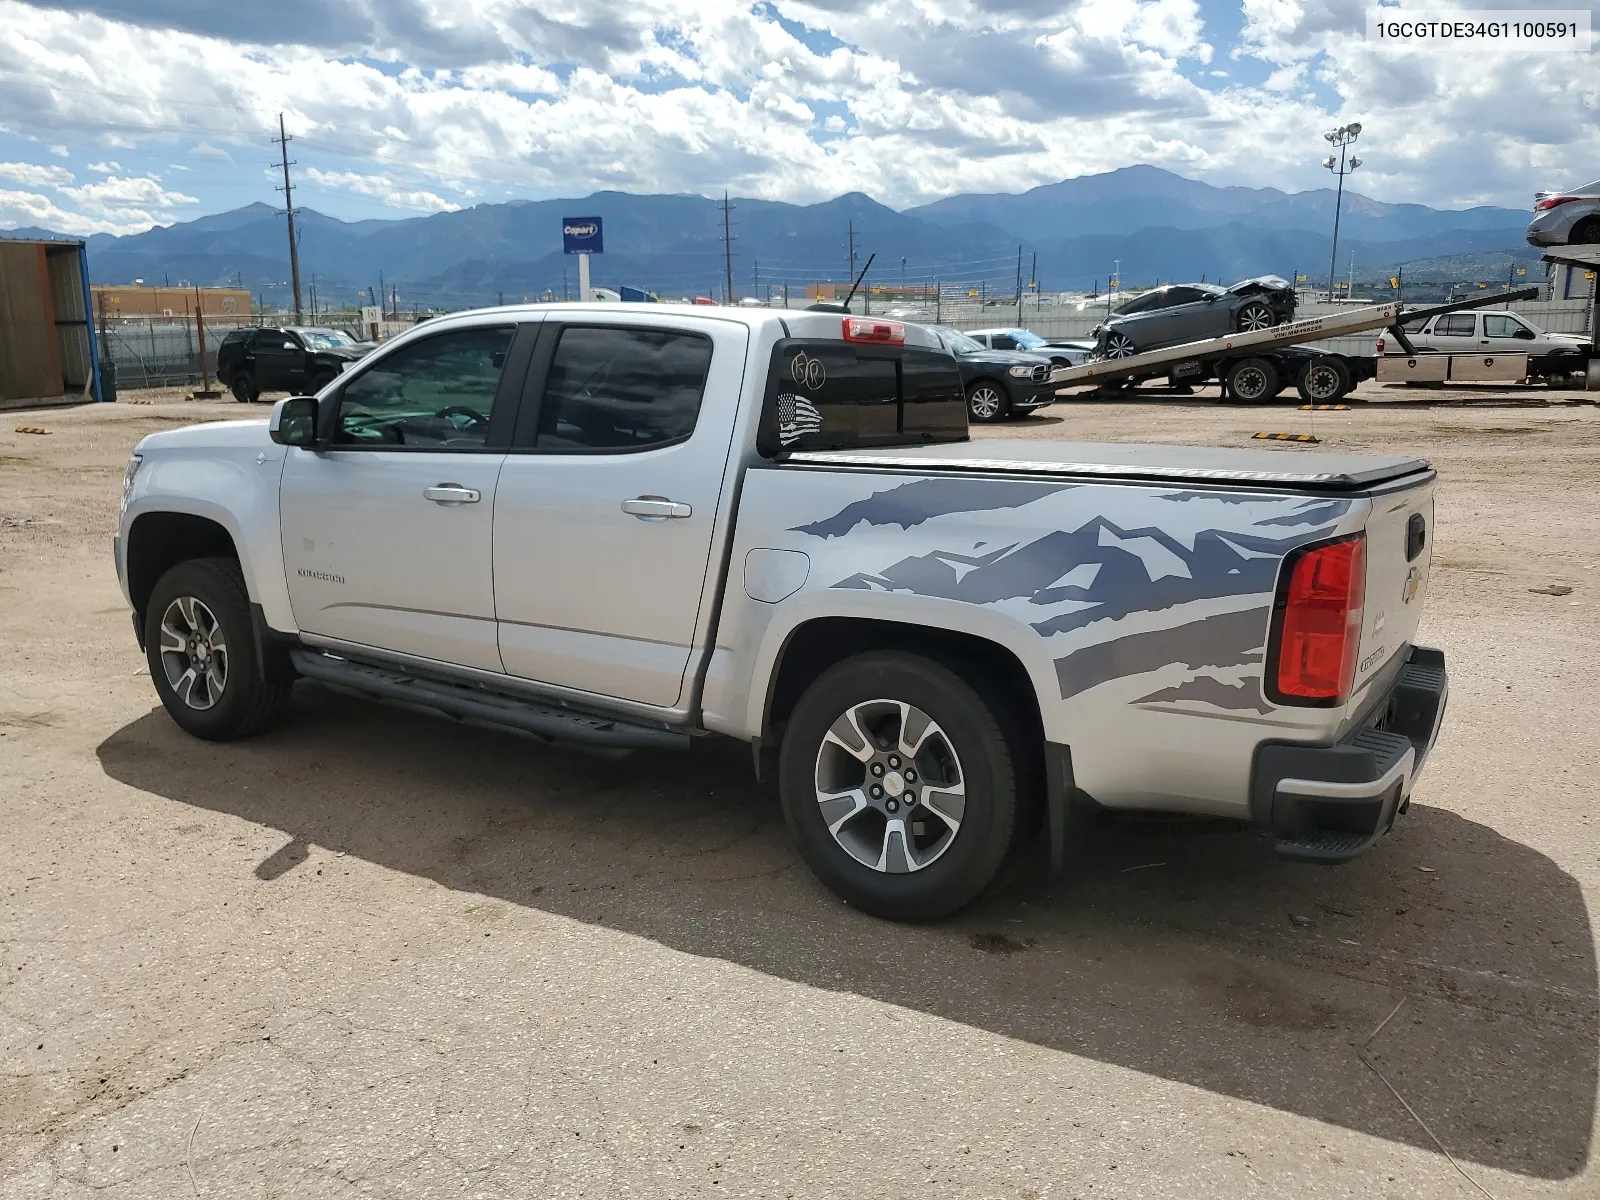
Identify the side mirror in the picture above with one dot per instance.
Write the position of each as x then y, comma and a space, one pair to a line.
1211, 298
294, 421
290, 346
1525, 333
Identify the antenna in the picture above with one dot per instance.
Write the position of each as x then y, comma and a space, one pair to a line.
826, 306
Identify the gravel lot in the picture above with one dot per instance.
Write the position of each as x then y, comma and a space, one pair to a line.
371, 954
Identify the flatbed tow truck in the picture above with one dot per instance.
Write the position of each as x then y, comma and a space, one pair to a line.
1254, 367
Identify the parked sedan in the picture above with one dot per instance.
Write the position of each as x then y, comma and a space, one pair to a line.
1568, 218
1191, 312
1028, 341
999, 383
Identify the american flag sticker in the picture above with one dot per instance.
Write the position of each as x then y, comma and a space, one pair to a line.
796, 418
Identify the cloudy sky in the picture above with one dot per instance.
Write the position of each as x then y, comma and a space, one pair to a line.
119, 114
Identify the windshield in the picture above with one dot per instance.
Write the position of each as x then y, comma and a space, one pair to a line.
957, 342
325, 339
1026, 338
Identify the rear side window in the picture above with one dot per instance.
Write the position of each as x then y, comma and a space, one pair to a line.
825, 395
616, 390
1184, 295
1456, 325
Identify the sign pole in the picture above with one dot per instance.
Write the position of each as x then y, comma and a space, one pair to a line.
583, 277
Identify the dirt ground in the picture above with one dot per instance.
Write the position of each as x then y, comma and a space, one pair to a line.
371, 954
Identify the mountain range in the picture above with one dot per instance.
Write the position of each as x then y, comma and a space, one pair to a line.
1147, 223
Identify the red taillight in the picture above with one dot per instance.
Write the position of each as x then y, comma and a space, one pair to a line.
1319, 623
1380, 347
870, 329
1552, 201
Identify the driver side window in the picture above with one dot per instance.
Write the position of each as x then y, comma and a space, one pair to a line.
435, 394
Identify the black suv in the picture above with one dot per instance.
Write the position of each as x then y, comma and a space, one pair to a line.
999, 383
294, 359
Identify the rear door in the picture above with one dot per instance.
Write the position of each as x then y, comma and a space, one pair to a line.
388, 530
608, 503
280, 361
1188, 317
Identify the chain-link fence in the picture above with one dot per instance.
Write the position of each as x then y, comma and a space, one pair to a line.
161, 351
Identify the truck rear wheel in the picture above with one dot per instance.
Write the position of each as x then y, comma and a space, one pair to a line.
899, 786
1323, 381
201, 651
1253, 380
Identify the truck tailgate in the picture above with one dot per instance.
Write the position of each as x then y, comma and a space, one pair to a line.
1399, 552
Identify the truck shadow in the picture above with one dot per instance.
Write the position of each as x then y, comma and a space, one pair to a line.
1187, 953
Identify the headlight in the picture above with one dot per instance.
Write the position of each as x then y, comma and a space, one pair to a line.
129, 474
1022, 372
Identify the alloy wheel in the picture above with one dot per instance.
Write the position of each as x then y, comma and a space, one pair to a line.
194, 653
1119, 345
985, 402
890, 786
1254, 318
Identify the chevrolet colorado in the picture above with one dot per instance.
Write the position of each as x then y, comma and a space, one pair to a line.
625, 529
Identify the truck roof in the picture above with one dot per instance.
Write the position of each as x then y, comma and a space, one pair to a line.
1187, 465
797, 321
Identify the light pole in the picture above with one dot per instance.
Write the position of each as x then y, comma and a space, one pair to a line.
1341, 137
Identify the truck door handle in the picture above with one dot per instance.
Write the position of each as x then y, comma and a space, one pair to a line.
451, 493
656, 508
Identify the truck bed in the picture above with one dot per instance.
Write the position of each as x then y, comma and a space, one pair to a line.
1156, 464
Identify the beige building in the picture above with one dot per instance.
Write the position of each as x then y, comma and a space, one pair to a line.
137, 300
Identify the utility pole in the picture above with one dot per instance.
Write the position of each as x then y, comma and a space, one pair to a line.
283, 141
755, 277
851, 231
382, 298
1019, 285
727, 248
1033, 277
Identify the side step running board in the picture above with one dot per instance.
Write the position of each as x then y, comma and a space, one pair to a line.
477, 706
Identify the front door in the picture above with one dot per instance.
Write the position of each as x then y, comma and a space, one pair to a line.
388, 531
608, 504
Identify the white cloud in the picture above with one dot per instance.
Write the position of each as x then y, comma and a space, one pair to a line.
60, 151
30, 175
105, 168
420, 104
384, 188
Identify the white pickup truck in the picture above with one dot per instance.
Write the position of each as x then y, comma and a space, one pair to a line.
623, 529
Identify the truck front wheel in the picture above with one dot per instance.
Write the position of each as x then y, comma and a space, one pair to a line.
898, 785
202, 656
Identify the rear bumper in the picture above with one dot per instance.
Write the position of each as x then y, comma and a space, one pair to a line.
1327, 804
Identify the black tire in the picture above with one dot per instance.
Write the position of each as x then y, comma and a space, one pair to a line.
1323, 381
1254, 316
1585, 233
250, 698
243, 388
987, 401
1253, 380
991, 817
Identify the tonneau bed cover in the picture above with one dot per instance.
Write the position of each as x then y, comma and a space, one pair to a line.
1291, 470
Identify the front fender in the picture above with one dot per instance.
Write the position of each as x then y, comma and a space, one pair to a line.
234, 486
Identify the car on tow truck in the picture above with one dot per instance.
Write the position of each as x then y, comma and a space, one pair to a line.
1189, 312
